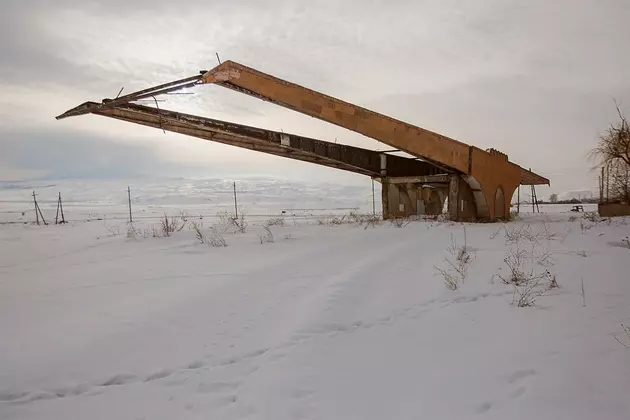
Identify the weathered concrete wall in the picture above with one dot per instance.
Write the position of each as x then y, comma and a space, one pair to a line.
404, 200
494, 171
462, 205
465, 200
613, 209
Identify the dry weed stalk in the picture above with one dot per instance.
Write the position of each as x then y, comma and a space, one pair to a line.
456, 269
266, 236
626, 331
231, 220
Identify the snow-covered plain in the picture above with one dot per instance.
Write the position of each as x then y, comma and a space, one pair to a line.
151, 198
326, 322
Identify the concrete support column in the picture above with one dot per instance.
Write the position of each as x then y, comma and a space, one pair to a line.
385, 197
385, 186
453, 197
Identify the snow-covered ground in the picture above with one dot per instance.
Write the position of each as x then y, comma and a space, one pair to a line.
326, 322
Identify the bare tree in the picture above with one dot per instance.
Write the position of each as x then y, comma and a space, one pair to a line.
613, 153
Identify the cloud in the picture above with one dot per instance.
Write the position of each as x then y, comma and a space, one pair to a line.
68, 154
534, 79
34, 154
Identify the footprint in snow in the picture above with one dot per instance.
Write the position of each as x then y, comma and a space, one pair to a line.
197, 364
120, 379
484, 408
158, 375
519, 375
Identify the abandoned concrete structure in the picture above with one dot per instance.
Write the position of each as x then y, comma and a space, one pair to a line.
478, 184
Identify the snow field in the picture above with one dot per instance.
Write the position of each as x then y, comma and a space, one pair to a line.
327, 321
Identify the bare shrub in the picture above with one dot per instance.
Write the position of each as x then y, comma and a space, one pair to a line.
355, 217
542, 257
525, 294
516, 234
240, 223
451, 279
585, 225
400, 222
275, 221
335, 220
514, 260
170, 225
113, 230
225, 218
548, 234
456, 269
231, 220
133, 232
266, 236
591, 216
215, 239
197, 226
529, 282
166, 226
626, 332
573, 218
350, 218
514, 216
371, 221
460, 252
155, 232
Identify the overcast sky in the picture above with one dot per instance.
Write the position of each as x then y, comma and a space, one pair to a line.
535, 79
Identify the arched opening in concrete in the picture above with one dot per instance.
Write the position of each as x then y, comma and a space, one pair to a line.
483, 212
513, 199
499, 204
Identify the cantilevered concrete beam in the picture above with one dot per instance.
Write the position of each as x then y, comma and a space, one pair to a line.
349, 158
428, 179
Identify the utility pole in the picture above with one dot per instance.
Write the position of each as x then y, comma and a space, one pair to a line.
36, 212
63, 218
129, 198
235, 203
518, 200
59, 207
